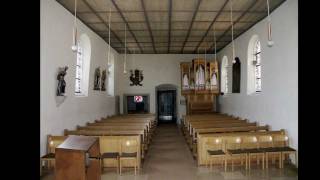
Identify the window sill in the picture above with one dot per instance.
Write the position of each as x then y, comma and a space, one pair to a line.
225, 95
255, 94
81, 95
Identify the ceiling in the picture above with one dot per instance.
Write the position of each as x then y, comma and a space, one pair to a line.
169, 26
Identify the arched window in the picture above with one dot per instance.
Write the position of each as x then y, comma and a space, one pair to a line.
224, 75
256, 62
82, 66
254, 66
79, 69
110, 83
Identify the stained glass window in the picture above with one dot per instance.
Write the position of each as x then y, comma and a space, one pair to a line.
79, 70
257, 63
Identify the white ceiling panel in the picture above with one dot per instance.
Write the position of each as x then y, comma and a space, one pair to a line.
152, 5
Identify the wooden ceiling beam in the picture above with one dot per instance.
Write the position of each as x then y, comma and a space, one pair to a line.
126, 22
213, 21
142, 22
148, 25
191, 24
165, 11
101, 19
144, 42
235, 22
169, 23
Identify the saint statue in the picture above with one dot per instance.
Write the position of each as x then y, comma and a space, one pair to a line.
103, 80
61, 82
97, 79
185, 81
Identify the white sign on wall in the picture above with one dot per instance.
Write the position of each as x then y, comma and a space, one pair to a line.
138, 99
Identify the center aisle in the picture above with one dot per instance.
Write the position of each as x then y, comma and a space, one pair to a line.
169, 156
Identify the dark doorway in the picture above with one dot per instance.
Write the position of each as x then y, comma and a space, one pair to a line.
166, 106
137, 104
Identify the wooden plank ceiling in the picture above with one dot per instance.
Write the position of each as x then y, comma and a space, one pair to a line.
169, 26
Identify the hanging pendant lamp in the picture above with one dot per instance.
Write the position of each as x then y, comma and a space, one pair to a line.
133, 62
205, 60
109, 20
233, 58
270, 42
74, 46
125, 50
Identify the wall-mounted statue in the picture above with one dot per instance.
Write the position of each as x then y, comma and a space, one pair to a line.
236, 75
136, 77
61, 82
103, 80
97, 76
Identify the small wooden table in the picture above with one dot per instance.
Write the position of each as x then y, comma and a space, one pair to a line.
77, 158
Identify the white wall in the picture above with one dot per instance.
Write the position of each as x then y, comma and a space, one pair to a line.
157, 69
277, 104
56, 41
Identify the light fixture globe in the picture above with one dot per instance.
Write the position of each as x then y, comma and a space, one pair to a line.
74, 48
270, 43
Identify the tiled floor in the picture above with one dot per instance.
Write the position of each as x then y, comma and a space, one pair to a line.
169, 158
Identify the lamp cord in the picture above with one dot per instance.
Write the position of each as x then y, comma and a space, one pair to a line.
109, 20
232, 31
125, 48
269, 22
215, 44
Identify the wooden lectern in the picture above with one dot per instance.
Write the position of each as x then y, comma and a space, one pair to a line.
77, 158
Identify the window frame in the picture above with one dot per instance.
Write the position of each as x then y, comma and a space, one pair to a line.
79, 67
257, 60
224, 84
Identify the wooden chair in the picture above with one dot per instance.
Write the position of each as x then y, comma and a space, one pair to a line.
129, 150
250, 146
109, 149
215, 150
49, 158
233, 149
281, 144
266, 145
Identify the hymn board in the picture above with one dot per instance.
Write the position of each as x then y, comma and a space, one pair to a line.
199, 85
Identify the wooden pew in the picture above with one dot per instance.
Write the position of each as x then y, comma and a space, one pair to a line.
120, 128
152, 121
126, 124
198, 120
224, 130
218, 125
188, 126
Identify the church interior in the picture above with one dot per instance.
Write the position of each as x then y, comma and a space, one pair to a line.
169, 89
